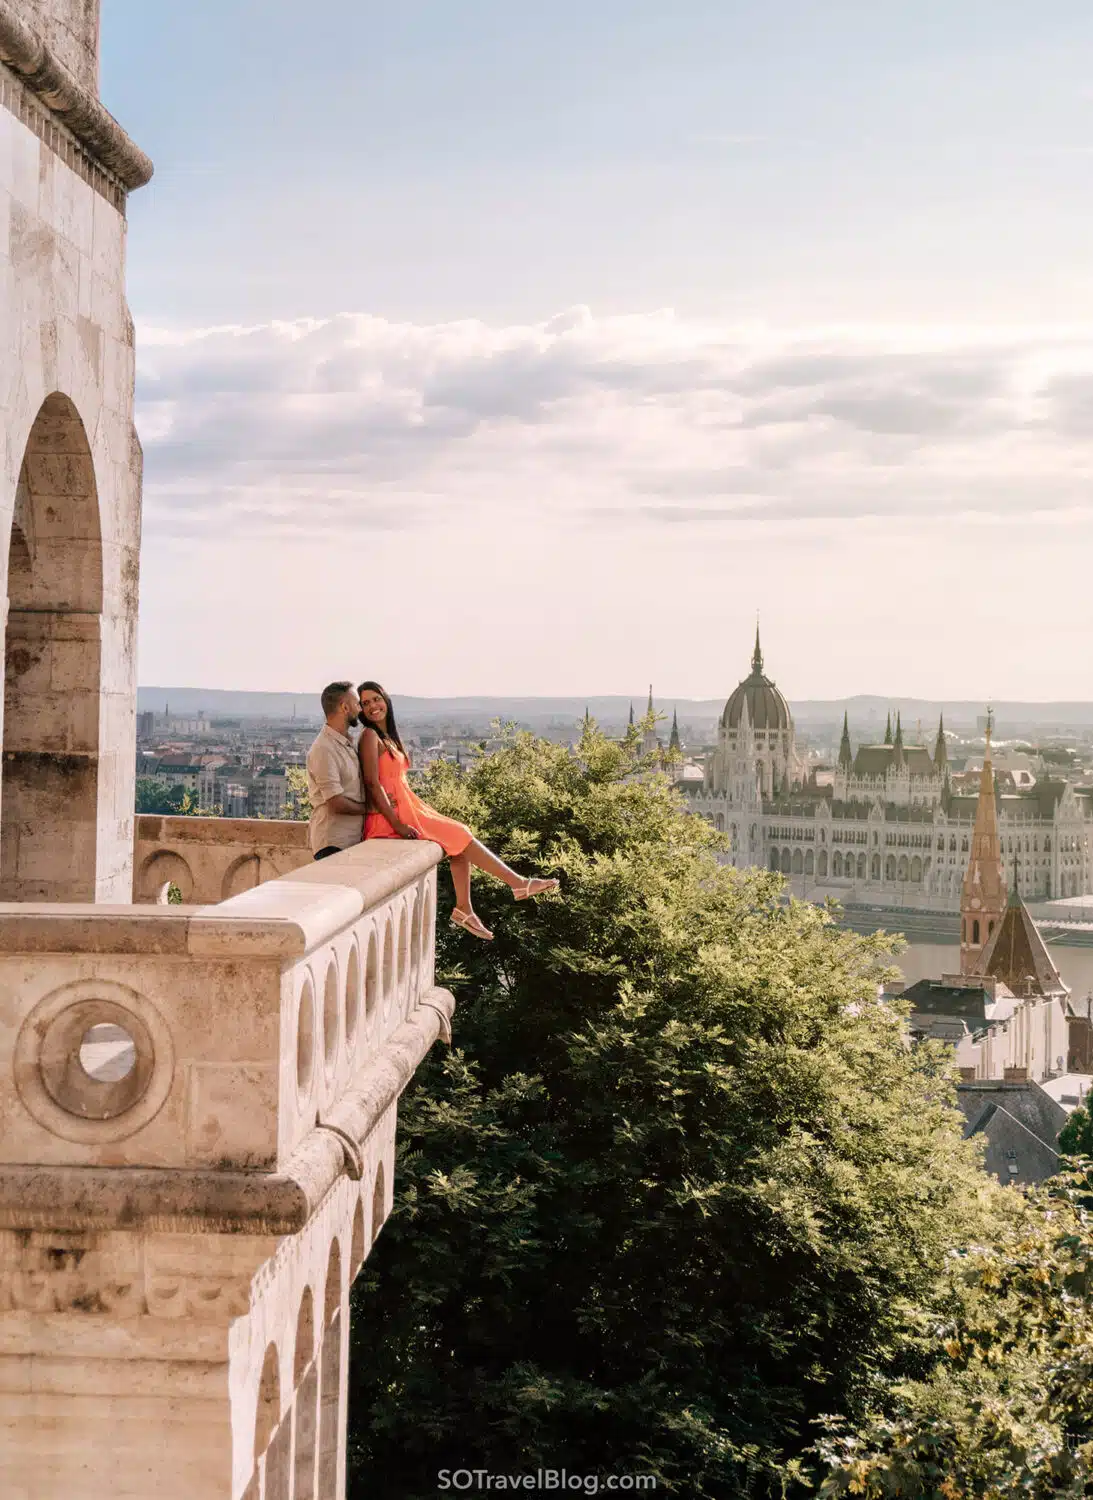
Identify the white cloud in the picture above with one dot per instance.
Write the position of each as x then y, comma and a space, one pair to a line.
355, 423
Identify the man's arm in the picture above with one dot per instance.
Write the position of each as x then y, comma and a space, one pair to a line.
326, 785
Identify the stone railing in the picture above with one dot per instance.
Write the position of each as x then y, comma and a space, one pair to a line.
213, 859
198, 1111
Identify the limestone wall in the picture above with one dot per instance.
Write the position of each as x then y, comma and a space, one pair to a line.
213, 859
197, 1124
70, 28
69, 512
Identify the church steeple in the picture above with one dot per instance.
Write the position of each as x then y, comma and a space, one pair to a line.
888, 729
983, 896
673, 742
757, 654
846, 755
897, 744
631, 714
941, 749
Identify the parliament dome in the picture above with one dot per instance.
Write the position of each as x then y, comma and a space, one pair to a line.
767, 708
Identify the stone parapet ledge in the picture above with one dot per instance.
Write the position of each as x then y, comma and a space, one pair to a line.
91, 1199
235, 1033
213, 859
42, 72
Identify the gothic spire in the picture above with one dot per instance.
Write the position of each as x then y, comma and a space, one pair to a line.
941, 749
631, 714
846, 755
888, 729
983, 896
649, 710
673, 742
757, 654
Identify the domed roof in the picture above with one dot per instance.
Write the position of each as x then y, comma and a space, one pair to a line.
767, 709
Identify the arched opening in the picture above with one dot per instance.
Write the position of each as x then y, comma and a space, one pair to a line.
810, 861
861, 866
822, 863
975, 932
305, 1374
890, 867
269, 1403
49, 792
875, 868
837, 863
379, 1205
330, 1360
356, 1248
786, 861
798, 862
774, 860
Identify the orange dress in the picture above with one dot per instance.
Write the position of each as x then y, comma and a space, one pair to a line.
452, 837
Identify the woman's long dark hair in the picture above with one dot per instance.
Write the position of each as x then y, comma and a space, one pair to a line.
391, 733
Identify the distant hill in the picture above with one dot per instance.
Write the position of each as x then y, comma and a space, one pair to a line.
865, 711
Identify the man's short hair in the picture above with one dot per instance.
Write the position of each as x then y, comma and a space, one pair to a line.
331, 697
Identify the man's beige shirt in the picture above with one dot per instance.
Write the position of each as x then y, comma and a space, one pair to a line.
333, 770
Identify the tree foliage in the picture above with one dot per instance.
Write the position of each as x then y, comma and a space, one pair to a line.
680, 1186
176, 801
1007, 1378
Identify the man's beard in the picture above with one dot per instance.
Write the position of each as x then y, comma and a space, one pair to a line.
354, 721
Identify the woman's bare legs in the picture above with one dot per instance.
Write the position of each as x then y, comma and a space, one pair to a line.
477, 856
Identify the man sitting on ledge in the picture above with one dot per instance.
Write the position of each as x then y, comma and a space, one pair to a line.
334, 781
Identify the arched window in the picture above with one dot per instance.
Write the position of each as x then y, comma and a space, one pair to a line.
890, 867
837, 863
1047, 844
990, 928
916, 868
786, 861
875, 871
809, 862
52, 798
861, 866
975, 932
903, 868
941, 842
822, 870
798, 862
952, 844
964, 844
774, 860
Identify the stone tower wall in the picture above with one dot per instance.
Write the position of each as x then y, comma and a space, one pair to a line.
70, 28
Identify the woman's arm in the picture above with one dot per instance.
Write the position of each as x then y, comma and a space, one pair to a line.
369, 752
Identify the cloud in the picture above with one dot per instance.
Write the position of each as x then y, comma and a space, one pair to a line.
357, 422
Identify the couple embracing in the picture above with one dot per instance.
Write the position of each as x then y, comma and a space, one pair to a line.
357, 782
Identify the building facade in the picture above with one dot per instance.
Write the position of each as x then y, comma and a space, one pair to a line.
888, 828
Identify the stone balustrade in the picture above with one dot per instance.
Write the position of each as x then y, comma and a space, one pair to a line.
213, 859
197, 1123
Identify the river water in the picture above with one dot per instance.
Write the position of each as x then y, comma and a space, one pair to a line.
925, 960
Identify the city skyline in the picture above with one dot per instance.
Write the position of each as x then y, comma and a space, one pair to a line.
514, 353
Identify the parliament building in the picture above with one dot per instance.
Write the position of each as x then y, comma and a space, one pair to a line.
885, 825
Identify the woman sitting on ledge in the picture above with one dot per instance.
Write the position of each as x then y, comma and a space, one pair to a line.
399, 813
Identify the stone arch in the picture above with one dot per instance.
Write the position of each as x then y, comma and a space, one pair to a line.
774, 860
821, 864
332, 1298
916, 868
269, 1402
874, 872
304, 1349
861, 866
810, 862
719, 822
890, 867
379, 1203
975, 931
798, 862
356, 1244
787, 861
164, 868
49, 792
837, 863
903, 869
243, 874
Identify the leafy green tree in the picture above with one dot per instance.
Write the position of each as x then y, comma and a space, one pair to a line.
1076, 1136
175, 801
676, 1190
1005, 1378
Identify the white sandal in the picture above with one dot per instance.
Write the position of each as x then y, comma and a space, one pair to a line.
542, 887
470, 922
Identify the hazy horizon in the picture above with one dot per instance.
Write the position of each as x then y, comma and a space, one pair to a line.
506, 348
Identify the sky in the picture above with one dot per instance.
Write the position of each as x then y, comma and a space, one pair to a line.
520, 349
